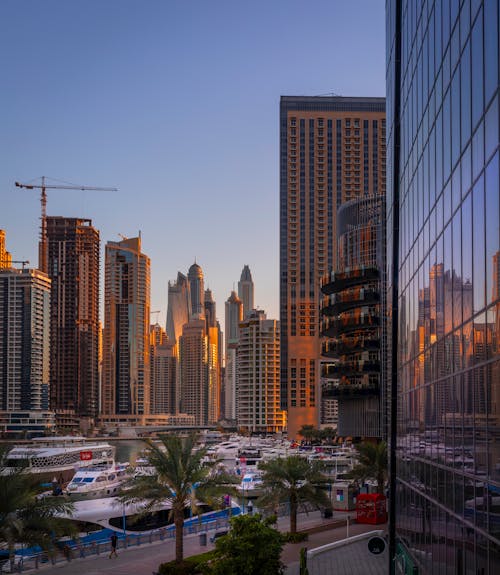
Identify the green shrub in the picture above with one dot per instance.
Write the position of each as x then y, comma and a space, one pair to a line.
190, 566
295, 537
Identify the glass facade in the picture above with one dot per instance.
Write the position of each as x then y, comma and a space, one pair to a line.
443, 223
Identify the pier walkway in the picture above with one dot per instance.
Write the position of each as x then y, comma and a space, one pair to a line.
146, 558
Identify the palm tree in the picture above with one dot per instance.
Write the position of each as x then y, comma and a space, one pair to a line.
182, 477
25, 517
293, 480
372, 464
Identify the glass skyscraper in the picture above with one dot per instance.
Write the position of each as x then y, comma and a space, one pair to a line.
443, 267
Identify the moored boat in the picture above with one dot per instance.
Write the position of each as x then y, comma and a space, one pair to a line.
56, 459
251, 485
97, 481
129, 518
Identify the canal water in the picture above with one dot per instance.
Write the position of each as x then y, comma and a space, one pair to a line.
128, 450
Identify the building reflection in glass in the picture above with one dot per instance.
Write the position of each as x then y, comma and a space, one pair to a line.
443, 218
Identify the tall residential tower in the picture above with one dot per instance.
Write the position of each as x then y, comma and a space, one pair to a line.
73, 266
126, 349
332, 150
245, 290
258, 391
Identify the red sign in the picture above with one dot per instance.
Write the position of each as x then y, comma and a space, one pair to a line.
85, 455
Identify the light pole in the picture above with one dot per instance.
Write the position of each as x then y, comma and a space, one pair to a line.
124, 521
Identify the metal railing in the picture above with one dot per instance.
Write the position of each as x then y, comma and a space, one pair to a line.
74, 551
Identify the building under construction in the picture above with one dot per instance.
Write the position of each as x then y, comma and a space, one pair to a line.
73, 266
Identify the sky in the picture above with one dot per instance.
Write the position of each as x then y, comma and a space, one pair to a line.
176, 104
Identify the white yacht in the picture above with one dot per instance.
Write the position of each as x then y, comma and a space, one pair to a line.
251, 485
111, 513
56, 459
97, 481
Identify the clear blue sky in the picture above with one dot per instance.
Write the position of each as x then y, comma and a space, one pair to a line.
176, 103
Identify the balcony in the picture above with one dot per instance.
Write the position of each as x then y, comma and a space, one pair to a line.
338, 303
339, 281
351, 368
349, 345
340, 326
349, 391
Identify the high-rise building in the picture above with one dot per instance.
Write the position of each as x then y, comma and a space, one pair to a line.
245, 290
178, 314
216, 356
163, 371
194, 368
24, 340
258, 375
197, 290
210, 309
443, 213
332, 150
25, 354
234, 315
5, 257
126, 347
179, 306
73, 267
352, 320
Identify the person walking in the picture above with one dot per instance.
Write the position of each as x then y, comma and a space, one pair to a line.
114, 542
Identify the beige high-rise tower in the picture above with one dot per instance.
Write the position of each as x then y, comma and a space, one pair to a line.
258, 391
332, 150
126, 346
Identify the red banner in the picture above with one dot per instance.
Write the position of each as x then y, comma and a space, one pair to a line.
85, 455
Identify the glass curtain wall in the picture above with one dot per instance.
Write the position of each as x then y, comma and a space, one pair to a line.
443, 210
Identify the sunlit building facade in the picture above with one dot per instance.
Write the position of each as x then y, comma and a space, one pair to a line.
258, 390
73, 250
5, 257
24, 340
163, 372
443, 245
332, 150
126, 345
234, 315
194, 371
215, 343
178, 314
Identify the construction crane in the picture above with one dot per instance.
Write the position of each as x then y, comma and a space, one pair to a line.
43, 252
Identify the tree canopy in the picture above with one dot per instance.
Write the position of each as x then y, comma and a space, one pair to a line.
252, 547
293, 480
372, 463
181, 476
25, 517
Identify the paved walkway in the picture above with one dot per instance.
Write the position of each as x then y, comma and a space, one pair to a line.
144, 560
